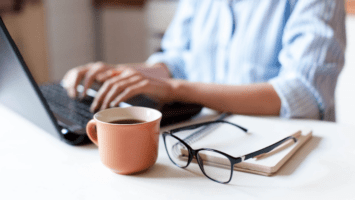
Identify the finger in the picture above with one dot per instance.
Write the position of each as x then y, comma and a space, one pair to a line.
104, 76
106, 87
72, 80
118, 88
73, 89
101, 94
131, 91
90, 76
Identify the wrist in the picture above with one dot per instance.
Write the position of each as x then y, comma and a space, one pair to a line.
165, 72
177, 89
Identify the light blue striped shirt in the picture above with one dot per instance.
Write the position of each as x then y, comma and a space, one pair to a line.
295, 45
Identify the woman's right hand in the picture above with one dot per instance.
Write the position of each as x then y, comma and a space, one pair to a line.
88, 74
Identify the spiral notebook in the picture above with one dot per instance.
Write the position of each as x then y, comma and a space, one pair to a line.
262, 132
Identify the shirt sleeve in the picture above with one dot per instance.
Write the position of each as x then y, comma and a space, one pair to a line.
311, 58
176, 41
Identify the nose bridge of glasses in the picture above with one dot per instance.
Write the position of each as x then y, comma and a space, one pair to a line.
200, 163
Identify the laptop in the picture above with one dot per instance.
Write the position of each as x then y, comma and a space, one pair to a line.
49, 107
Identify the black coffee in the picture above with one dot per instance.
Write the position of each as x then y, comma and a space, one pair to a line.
127, 121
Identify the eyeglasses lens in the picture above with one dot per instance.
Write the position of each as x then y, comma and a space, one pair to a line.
177, 151
208, 162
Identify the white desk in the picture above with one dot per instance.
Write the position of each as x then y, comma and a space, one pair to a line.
33, 164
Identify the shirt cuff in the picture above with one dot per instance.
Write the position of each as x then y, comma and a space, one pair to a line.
174, 64
297, 100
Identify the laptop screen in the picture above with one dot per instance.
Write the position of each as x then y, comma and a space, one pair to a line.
18, 90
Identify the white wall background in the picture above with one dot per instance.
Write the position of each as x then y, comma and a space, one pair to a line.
345, 91
77, 34
123, 35
158, 17
131, 35
70, 32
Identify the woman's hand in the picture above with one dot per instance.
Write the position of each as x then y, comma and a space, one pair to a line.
128, 82
88, 73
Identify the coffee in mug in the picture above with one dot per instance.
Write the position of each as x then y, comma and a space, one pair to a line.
127, 121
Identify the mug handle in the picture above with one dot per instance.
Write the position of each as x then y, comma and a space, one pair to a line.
91, 131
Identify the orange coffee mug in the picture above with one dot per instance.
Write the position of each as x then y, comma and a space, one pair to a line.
127, 138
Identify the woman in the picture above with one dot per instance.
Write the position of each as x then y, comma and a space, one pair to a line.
258, 57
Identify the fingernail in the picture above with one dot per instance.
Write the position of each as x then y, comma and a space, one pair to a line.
82, 97
112, 104
71, 93
74, 94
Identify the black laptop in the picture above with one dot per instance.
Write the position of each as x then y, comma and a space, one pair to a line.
49, 107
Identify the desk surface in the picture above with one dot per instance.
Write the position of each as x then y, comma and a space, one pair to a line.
35, 164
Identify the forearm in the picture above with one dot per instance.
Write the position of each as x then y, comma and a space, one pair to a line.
254, 99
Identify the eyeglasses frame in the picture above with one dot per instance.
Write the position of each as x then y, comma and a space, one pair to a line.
233, 160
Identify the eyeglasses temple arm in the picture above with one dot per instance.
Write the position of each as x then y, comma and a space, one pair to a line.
242, 128
204, 124
268, 148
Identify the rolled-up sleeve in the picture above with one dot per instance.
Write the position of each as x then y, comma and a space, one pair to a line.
176, 41
311, 58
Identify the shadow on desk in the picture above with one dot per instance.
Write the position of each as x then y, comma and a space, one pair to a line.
88, 146
160, 170
295, 161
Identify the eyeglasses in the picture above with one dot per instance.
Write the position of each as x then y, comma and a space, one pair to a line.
209, 160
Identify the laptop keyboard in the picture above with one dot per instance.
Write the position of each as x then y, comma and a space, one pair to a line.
78, 111
60, 103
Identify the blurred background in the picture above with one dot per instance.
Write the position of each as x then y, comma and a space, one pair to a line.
57, 35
